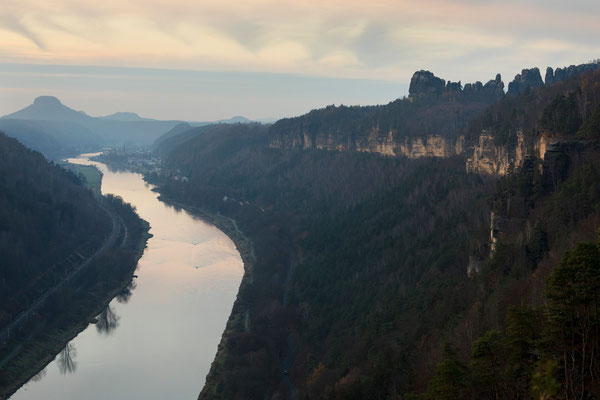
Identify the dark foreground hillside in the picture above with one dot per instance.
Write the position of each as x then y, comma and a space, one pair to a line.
45, 215
64, 255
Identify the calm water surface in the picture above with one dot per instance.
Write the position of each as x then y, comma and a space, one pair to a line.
159, 342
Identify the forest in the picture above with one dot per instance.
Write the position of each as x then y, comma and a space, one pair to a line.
303, 302
360, 287
569, 109
47, 218
49, 223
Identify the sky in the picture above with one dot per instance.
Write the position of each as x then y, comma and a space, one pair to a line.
208, 59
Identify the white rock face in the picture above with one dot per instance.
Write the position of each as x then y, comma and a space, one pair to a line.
487, 158
385, 143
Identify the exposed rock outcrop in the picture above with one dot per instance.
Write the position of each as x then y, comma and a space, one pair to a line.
385, 143
498, 225
545, 140
425, 83
528, 78
414, 147
427, 124
566, 73
488, 158
491, 159
493, 88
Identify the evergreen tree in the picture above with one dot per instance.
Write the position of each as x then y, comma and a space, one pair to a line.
572, 292
450, 377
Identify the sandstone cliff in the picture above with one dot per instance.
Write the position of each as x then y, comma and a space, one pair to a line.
429, 123
386, 143
492, 159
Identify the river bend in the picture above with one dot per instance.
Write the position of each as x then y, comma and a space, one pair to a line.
158, 343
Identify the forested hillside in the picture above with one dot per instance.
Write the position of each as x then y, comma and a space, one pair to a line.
54, 139
46, 216
64, 255
379, 277
559, 109
326, 226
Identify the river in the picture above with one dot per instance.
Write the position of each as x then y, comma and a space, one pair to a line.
158, 343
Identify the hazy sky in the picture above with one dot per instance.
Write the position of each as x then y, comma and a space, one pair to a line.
199, 59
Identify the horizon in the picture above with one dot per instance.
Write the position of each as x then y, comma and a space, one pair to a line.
64, 84
372, 92
201, 61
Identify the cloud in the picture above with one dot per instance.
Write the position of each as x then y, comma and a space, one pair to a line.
334, 38
14, 24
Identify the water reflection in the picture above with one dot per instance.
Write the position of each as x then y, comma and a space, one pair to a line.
66, 360
124, 296
38, 377
107, 321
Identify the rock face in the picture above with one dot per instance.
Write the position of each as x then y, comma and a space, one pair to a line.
545, 140
488, 158
566, 73
497, 226
425, 83
413, 147
494, 88
384, 143
427, 124
528, 78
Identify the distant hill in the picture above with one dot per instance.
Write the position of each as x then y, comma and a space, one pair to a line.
184, 132
54, 139
48, 108
179, 135
117, 129
238, 119
175, 136
126, 116
176, 130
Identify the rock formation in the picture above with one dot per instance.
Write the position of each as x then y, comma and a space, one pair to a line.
563, 74
425, 83
528, 78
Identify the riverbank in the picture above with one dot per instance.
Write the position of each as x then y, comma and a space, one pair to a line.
70, 310
239, 319
90, 175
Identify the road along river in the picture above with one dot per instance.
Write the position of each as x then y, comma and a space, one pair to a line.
159, 342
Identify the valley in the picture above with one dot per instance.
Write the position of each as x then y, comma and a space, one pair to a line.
174, 296
415, 250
